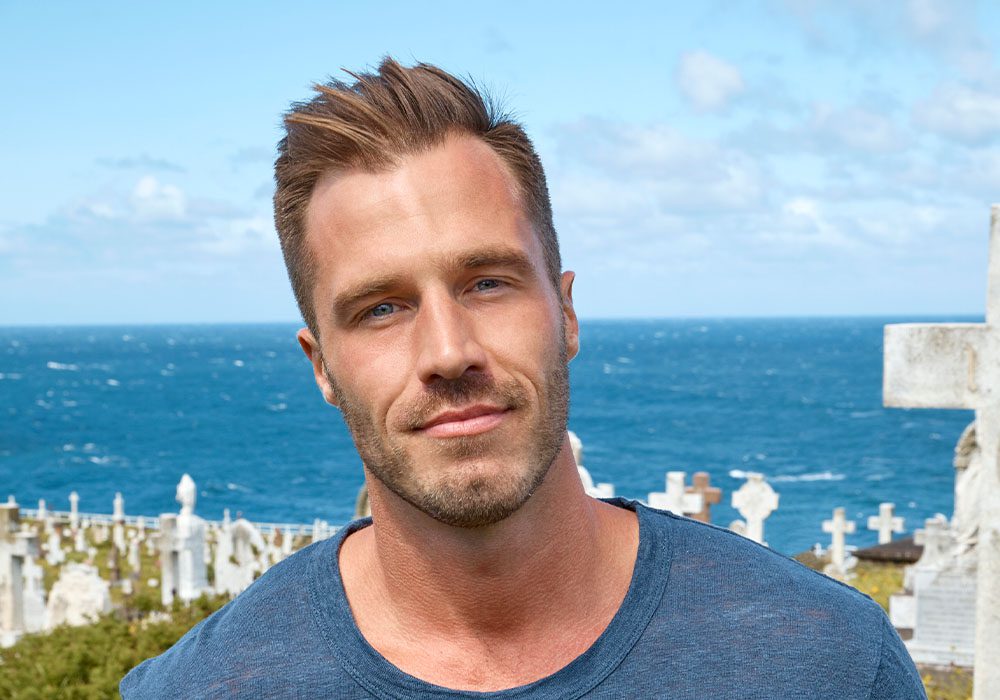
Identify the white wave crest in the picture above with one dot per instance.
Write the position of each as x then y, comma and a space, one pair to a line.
64, 367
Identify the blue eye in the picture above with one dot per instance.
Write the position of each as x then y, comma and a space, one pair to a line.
381, 310
484, 285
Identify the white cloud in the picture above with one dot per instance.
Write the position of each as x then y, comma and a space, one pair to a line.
961, 113
708, 81
657, 165
152, 200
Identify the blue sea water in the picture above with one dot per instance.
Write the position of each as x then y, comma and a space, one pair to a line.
130, 409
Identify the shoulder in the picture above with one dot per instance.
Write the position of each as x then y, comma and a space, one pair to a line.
264, 630
739, 602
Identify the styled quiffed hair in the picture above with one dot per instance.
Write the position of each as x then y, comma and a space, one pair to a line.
371, 125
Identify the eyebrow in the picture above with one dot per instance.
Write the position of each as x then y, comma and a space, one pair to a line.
508, 258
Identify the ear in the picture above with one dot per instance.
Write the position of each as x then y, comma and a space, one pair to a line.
570, 323
313, 351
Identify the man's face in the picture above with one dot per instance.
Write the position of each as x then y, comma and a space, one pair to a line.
443, 340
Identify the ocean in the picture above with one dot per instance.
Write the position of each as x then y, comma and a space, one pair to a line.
130, 409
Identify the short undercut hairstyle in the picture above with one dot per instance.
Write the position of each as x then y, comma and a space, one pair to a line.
371, 125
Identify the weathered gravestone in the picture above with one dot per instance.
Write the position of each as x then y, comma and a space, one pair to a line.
957, 365
936, 613
701, 483
755, 500
78, 597
236, 556
182, 543
676, 498
15, 546
885, 523
838, 527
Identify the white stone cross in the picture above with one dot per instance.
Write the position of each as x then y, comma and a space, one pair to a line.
755, 500
838, 527
957, 365
74, 514
885, 523
675, 498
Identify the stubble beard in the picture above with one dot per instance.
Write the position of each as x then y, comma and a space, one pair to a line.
471, 494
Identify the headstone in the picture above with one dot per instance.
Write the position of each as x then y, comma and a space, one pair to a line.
885, 523
837, 527
54, 553
118, 529
140, 527
74, 515
936, 613
78, 597
592, 489
35, 619
15, 547
286, 543
79, 540
182, 540
676, 499
237, 557
755, 500
958, 366
711, 495
134, 561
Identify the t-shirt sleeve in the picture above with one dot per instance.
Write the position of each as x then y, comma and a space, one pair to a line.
897, 677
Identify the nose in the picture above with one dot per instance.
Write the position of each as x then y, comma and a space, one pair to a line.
448, 343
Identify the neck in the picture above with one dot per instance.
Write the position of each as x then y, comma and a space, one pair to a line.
562, 562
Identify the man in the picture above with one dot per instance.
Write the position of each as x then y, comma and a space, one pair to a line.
416, 226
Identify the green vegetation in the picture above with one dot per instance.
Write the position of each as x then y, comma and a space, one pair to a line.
81, 663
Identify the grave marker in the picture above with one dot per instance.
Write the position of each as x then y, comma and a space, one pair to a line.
957, 365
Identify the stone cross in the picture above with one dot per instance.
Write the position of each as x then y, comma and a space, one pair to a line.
74, 514
676, 499
42, 514
755, 500
711, 495
838, 527
957, 365
885, 523
119, 508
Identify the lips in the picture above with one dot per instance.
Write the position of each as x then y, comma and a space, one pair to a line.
471, 420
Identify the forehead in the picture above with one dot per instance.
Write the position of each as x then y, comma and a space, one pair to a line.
456, 195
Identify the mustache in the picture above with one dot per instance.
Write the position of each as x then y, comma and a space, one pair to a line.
444, 394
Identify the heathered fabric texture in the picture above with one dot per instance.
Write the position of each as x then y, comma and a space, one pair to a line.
708, 614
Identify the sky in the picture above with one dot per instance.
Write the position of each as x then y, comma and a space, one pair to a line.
784, 158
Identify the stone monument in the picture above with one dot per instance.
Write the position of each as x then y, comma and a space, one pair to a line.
838, 527
885, 523
755, 500
701, 483
15, 547
79, 597
182, 542
677, 499
957, 365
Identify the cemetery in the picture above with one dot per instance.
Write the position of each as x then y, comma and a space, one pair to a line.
142, 580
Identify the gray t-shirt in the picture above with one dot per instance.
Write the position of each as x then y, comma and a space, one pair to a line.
708, 614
